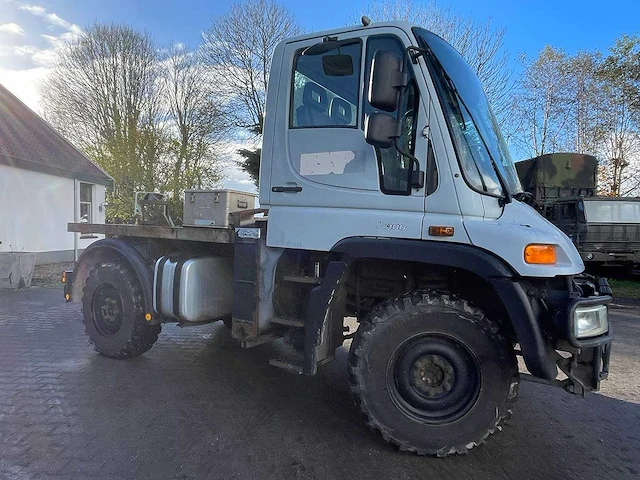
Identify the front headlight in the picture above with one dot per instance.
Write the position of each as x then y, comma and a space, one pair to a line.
590, 321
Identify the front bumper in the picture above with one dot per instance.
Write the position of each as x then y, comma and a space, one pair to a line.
542, 314
609, 258
585, 368
584, 361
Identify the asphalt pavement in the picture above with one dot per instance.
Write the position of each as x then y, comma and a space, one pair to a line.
197, 406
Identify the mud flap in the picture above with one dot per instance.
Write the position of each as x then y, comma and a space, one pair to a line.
325, 312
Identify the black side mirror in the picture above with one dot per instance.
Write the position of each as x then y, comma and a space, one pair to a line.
386, 81
381, 130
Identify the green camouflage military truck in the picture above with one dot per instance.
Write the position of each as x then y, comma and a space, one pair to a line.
563, 186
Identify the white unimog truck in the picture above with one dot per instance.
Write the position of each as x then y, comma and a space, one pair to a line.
391, 197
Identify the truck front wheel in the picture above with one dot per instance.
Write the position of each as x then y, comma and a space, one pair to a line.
432, 373
114, 312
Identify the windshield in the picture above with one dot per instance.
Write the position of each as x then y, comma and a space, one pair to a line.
473, 127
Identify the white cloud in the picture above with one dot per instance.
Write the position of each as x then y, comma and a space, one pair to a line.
25, 63
234, 177
25, 84
11, 28
44, 58
26, 50
59, 40
51, 18
56, 20
33, 9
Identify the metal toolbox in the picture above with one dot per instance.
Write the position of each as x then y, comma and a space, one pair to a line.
193, 290
211, 208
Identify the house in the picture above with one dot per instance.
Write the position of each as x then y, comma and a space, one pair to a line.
45, 182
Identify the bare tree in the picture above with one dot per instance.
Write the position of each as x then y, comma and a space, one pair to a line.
238, 47
620, 152
150, 119
103, 94
478, 42
196, 124
586, 106
542, 102
582, 103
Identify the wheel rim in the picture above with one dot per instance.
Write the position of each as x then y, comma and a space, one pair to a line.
433, 379
107, 309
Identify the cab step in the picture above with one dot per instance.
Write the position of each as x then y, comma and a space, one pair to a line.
290, 322
290, 365
303, 279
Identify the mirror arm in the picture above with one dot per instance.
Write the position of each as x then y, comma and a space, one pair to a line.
415, 52
417, 175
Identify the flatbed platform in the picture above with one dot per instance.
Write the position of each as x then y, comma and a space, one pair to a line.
193, 234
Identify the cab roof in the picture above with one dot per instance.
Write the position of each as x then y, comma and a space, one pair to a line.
401, 24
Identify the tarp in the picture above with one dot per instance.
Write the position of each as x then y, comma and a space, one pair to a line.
559, 170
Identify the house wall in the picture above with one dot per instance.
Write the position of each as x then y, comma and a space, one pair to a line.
34, 211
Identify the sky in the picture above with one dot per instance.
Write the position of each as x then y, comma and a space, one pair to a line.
31, 30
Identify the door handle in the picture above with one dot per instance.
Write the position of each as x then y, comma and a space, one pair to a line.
282, 189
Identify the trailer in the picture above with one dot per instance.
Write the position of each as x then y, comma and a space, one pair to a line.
389, 196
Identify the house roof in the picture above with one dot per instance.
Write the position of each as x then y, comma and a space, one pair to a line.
30, 143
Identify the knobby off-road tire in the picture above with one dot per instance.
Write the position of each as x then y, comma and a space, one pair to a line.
432, 374
113, 312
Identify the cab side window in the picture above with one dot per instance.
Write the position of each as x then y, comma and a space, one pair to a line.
325, 88
395, 169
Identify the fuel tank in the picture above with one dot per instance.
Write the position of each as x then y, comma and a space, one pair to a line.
193, 289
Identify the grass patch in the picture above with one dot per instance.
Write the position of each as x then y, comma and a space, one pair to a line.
625, 288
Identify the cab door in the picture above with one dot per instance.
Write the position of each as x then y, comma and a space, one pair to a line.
326, 182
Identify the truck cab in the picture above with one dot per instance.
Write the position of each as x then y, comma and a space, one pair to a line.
391, 198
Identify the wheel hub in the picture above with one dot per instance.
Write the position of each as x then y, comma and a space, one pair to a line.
107, 309
433, 378
110, 310
433, 375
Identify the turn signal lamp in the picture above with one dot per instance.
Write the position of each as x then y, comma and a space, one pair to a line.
64, 277
540, 254
441, 231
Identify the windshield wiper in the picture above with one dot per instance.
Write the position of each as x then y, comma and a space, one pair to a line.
415, 53
525, 197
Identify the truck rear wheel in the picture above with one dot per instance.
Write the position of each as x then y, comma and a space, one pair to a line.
114, 312
432, 373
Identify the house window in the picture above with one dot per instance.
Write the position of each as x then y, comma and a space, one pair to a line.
86, 201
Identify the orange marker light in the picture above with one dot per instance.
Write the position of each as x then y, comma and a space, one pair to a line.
64, 277
440, 231
540, 254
